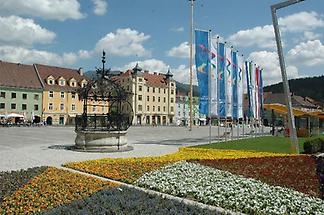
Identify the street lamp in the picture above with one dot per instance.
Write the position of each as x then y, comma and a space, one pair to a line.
291, 120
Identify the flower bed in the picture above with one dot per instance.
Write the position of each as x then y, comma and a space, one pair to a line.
130, 169
11, 181
221, 188
51, 188
298, 172
129, 201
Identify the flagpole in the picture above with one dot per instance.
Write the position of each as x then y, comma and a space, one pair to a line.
218, 89
190, 62
225, 92
209, 84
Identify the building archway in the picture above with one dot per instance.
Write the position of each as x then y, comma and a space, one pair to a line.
49, 120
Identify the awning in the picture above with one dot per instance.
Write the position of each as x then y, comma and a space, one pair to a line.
14, 115
282, 109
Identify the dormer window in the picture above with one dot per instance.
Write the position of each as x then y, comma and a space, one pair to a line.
83, 83
72, 82
61, 82
50, 80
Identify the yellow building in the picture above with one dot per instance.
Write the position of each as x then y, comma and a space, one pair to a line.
153, 96
60, 99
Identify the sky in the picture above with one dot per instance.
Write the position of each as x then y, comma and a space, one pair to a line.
73, 33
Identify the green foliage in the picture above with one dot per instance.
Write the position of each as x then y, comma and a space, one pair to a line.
312, 87
314, 145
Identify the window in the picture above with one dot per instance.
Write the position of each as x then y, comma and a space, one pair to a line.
61, 106
36, 97
13, 106
50, 94
159, 99
139, 88
148, 98
164, 99
172, 100
148, 108
2, 105
62, 95
164, 90
171, 109
72, 83
164, 108
139, 97
62, 82
153, 89
153, 98
159, 90
140, 80
94, 108
50, 81
13, 95
172, 84
139, 107
153, 108
36, 107
24, 96
159, 108
3, 95
172, 92
24, 107
73, 107
50, 106
148, 89
73, 95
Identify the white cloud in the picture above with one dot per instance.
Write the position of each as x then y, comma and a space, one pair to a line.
181, 51
47, 9
124, 42
310, 53
179, 29
309, 35
302, 21
261, 36
100, 7
18, 31
30, 56
270, 63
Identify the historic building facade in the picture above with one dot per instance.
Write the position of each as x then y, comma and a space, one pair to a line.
20, 92
60, 99
153, 96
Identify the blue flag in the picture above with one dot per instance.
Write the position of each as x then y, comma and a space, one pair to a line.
234, 86
221, 80
202, 66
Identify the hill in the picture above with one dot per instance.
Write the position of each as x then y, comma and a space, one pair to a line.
184, 89
312, 87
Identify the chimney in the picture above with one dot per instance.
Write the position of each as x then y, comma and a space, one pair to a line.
80, 71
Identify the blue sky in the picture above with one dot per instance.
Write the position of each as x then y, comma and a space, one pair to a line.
71, 33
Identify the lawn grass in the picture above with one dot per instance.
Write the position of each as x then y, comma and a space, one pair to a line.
261, 144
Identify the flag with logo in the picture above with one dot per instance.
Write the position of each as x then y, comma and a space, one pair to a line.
240, 75
202, 65
234, 86
221, 61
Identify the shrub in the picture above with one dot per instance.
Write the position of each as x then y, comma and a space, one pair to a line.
314, 145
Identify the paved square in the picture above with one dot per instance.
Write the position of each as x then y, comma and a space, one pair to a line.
24, 147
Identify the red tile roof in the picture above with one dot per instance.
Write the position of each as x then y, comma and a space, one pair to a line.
18, 75
45, 71
155, 80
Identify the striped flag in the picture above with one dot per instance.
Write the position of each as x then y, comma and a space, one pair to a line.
213, 82
234, 86
221, 80
240, 75
248, 68
228, 77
